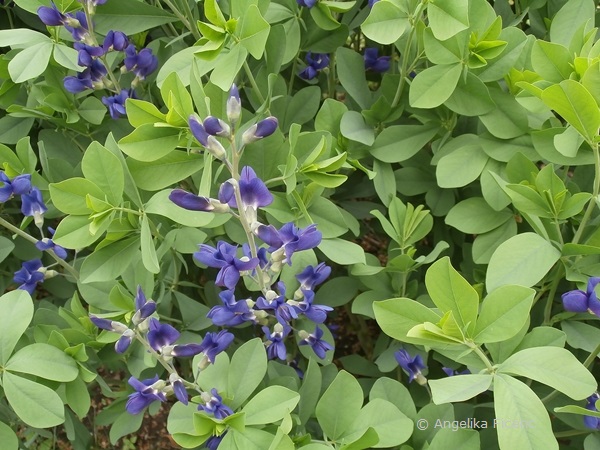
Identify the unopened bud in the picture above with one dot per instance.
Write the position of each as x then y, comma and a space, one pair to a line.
303, 334
216, 127
420, 379
234, 105
260, 130
215, 148
271, 295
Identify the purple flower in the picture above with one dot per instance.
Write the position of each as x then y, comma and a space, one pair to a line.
316, 313
79, 83
29, 275
307, 3
51, 16
77, 25
32, 205
21, 184
143, 308
161, 335
290, 238
192, 202
224, 258
116, 103
213, 442
115, 40
277, 302
234, 105
452, 372
213, 404
215, 343
147, 392
142, 63
580, 302
232, 312
313, 276
253, 191
372, 2
318, 345
206, 140
374, 62
127, 335
316, 62
591, 421
48, 244
262, 129
276, 348
87, 53
412, 366
216, 127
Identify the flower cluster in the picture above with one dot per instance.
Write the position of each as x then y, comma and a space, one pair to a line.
161, 339
315, 63
581, 302
274, 309
91, 56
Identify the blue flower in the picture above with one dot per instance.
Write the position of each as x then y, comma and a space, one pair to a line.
79, 83
318, 345
178, 388
33, 205
262, 129
373, 62
253, 191
591, 421
51, 16
116, 103
224, 258
313, 276
277, 302
213, 442
192, 202
115, 40
581, 302
276, 348
127, 334
77, 25
161, 335
216, 127
232, 312
87, 53
48, 244
208, 141
143, 308
316, 313
19, 185
307, 3
215, 343
142, 63
213, 404
29, 275
316, 62
412, 366
289, 239
147, 391
452, 372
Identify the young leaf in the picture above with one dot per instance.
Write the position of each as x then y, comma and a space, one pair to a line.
18, 312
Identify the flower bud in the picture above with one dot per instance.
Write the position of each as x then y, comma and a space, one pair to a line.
234, 105
216, 127
198, 130
262, 129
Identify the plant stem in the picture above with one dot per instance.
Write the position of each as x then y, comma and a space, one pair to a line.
183, 19
595, 192
482, 356
551, 294
69, 268
261, 99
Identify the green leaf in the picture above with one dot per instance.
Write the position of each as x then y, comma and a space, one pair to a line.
521, 418
130, 17
569, 19
339, 405
149, 143
9, 439
451, 292
74, 232
254, 31
524, 259
461, 166
110, 261
353, 127
475, 216
503, 313
397, 316
448, 18
509, 119
30, 62
551, 61
45, 361
385, 24
434, 85
392, 426
351, 72
464, 439
395, 392
229, 65
398, 143
309, 391
69, 196
486, 244
149, 258
471, 97
581, 335
459, 388
104, 169
165, 171
576, 105
246, 371
18, 312
67, 57
35, 404
552, 366
140, 112
270, 405
342, 252
21, 36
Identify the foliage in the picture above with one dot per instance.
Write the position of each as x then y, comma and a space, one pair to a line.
200, 184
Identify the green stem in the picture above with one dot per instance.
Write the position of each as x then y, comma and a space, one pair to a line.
571, 433
482, 356
190, 14
550, 300
248, 72
331, 77
595, 192
69, 268
183, 19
